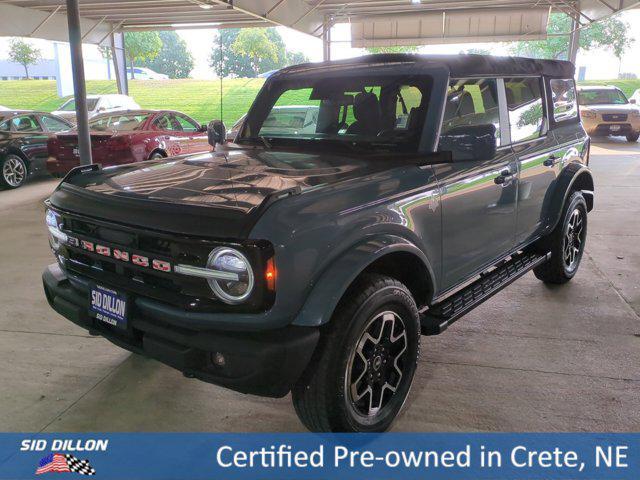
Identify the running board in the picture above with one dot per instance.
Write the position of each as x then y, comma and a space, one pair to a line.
439, 316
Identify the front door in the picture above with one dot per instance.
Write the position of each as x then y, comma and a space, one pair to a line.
478, 197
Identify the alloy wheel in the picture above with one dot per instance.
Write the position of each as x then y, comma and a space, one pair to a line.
13, 171
376, 366
573, 243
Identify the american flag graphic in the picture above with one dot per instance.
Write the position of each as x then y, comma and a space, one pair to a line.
61, 463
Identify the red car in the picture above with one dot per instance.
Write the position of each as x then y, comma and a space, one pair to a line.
131, 136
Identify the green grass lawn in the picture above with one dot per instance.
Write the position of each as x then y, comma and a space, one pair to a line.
198, 98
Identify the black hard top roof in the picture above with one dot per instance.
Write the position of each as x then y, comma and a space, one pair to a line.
459, 65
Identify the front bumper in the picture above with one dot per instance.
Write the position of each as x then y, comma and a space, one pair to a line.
265, 363
598, 126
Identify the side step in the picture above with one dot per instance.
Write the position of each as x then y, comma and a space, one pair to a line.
438, 317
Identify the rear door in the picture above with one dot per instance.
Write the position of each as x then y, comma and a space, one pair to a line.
33, 140
478, 196
198, 141
536, 150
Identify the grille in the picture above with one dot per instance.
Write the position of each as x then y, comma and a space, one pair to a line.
185, 292
614, 117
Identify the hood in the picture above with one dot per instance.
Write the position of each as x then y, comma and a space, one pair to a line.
238, 179
611, 108
207, 193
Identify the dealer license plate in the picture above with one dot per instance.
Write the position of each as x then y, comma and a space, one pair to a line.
614, 128
108, 306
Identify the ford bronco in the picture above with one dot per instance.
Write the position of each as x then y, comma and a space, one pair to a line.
311, 259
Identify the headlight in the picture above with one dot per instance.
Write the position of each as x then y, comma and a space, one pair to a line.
229, 260
56, 236
587, 114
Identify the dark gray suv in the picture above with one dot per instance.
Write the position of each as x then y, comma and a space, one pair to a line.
311, 260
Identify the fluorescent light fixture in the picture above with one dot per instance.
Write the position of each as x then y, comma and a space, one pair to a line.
416, 2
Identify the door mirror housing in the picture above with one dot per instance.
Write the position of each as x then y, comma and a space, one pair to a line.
470, 142
202, 128
216, 132
632, 100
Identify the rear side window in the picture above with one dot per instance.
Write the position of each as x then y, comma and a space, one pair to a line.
563, 95
526, 111
472, 103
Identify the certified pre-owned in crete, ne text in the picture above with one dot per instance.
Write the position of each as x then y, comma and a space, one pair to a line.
311, 260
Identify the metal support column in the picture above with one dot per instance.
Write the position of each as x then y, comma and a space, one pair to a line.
574, 40
79, 87
119, 62
326, 41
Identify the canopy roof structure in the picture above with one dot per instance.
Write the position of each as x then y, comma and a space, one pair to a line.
374, 22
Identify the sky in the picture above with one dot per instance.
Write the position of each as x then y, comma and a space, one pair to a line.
600, 64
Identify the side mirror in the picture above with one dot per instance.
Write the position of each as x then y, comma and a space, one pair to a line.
470, 142
216, 132
632, 100
202, 128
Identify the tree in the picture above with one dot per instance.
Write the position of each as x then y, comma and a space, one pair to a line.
396, 49
174, 58
141, 46
227, 62
612, 34
24, 53
254, 43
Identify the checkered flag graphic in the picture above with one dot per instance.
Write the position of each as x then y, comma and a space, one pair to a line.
83, 467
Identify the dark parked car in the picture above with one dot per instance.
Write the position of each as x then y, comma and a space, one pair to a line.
23, 144
130, 136
312, 262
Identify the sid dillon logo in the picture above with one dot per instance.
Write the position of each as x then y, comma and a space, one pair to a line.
58, 461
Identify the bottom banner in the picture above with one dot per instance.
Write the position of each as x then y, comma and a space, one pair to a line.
445, 456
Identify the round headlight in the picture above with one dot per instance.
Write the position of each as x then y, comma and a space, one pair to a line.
232, 261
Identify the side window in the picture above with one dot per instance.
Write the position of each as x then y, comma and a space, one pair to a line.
25, 123
472, 103
563, 95
4, 126
186, 125
526, 111
164, 122
52, 124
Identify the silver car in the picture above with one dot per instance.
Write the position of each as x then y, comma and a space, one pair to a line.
97, 104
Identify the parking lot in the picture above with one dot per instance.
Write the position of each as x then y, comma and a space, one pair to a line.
534, 358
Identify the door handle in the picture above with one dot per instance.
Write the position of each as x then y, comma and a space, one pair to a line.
551, 161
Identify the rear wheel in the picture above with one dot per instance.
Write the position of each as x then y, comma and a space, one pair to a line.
14, 171
363, 369
633, 137
566, 243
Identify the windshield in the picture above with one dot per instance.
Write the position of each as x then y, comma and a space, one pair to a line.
602, 97
70, 106
352, 112
119, 123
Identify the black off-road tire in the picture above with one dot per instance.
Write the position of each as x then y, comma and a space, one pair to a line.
633, 137
558, 269
323, 397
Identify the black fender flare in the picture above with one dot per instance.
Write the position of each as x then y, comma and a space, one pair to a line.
574, 176
330, 286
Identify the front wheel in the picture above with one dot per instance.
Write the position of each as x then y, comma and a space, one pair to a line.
14, 172
566, 243
362, 371
633, 137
